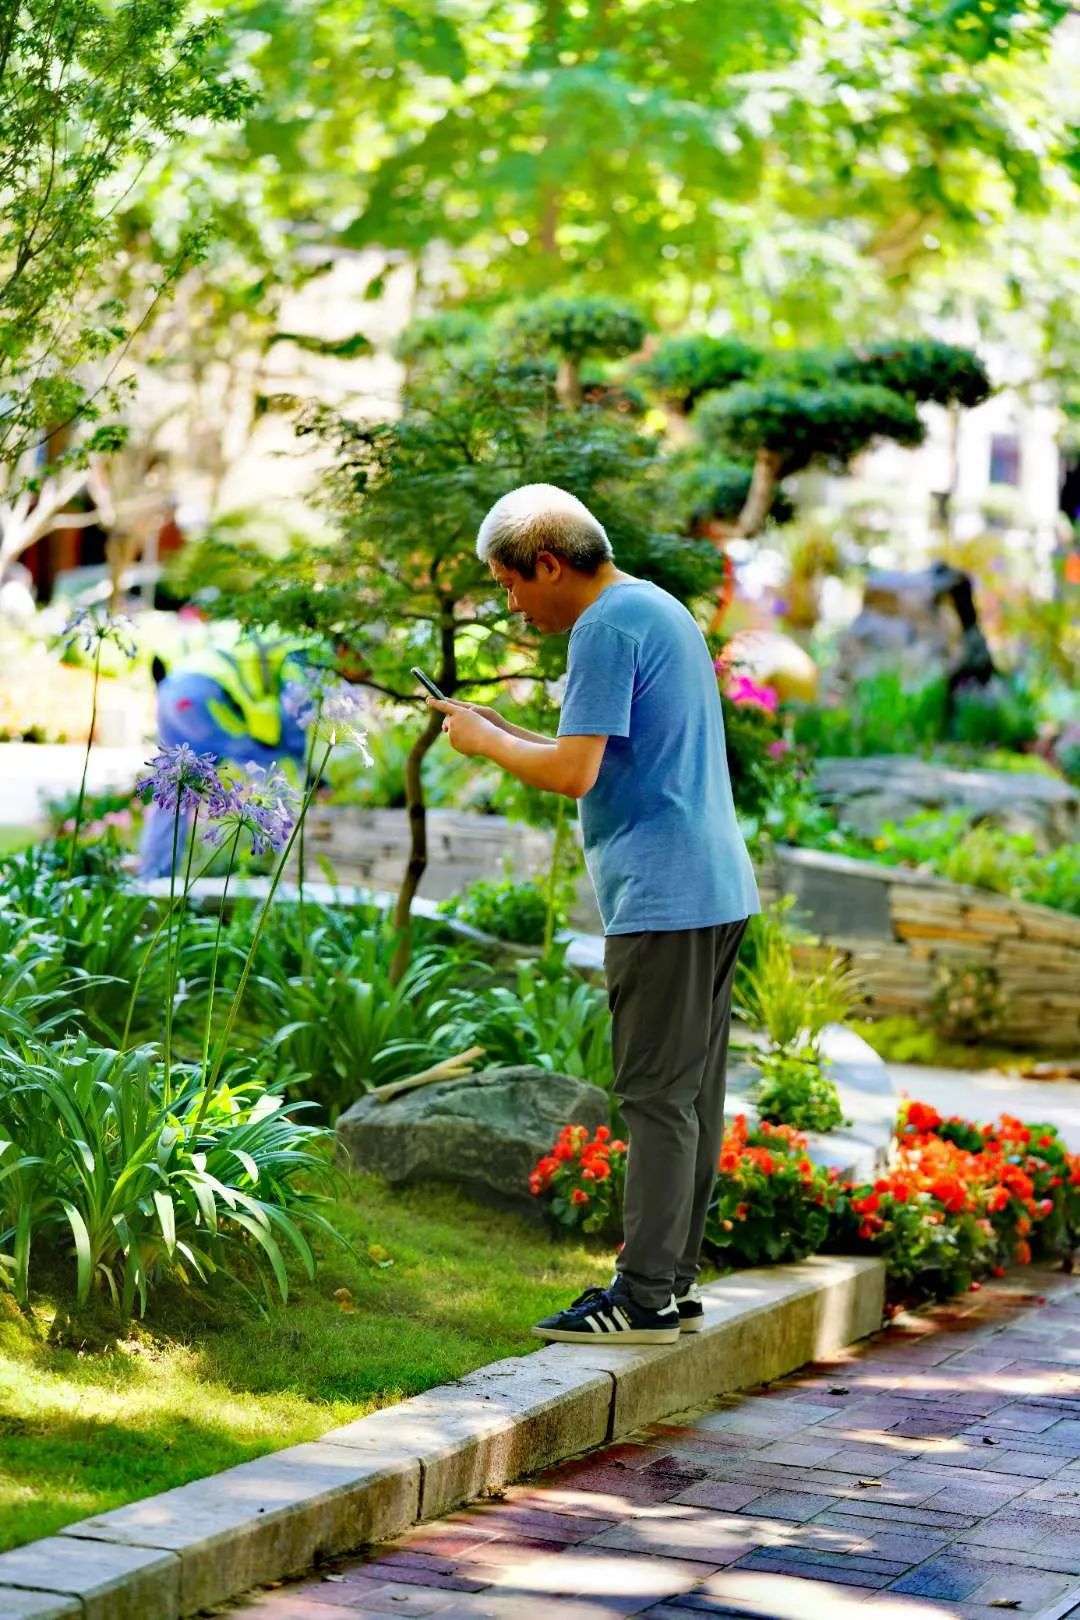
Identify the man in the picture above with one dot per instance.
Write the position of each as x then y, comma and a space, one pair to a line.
226, 701
641, 746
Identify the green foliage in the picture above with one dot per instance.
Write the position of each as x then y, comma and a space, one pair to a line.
682, 369
761, 764
100, 1163
770, 1204
459, 446
91, 92
790, 1001
883, 714
576, 327
795, 1090
923, 370
1002, 714
969, 1003
549, 1017
699, 488
802, 426
515, 911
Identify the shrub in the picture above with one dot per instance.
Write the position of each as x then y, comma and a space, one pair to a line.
1001, 714
969, 1003
771, 1202
583, 1177
515, 911
103, 1161
795, 1090
791, 1003
961, 1200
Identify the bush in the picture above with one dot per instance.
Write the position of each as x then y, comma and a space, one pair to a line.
514, 911
791, 1004
771, 1203
969, 1003
961, 1200
1002, 714
584, 1177
795, 1090
882, 715
102, 1162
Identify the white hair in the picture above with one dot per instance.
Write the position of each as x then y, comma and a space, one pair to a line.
542, 517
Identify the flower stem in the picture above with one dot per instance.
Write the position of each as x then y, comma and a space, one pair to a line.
166, 917
86, 761
238, 993
217, 948
170, 970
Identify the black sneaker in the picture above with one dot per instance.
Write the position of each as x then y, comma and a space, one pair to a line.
610, 1313
691, 1310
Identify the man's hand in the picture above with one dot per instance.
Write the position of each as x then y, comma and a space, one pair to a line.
467, 729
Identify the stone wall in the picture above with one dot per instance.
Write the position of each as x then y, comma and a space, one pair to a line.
899, 929
371, 847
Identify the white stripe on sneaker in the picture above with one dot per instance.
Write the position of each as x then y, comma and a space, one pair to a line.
620, 1316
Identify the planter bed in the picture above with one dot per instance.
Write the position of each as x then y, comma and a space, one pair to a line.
900, 928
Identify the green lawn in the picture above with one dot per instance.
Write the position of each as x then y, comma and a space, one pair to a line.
94, 1414
14, 838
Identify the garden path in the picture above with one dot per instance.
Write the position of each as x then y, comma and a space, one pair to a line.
932, 1470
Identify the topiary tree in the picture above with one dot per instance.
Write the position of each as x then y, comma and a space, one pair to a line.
822, 408
575, 329
401, 585
684, 368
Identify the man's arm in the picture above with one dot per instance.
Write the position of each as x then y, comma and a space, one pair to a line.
506, 725
567, 765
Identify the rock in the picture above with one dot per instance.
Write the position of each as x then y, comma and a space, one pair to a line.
891, 787
485, 1132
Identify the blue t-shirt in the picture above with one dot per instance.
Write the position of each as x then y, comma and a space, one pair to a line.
662, 843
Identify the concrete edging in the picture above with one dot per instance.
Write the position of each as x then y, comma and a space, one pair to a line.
199, 1544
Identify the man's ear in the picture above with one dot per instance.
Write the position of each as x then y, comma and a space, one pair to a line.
550, 566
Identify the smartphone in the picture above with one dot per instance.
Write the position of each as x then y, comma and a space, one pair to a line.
428, 683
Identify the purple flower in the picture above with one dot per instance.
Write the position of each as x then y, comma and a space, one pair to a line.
180, 776
262, 804
91, 625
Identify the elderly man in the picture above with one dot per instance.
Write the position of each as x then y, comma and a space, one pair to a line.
641, 745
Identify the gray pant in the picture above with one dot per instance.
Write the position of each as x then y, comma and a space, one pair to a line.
670, 998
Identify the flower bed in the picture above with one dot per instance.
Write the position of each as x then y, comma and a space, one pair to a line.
959, 1200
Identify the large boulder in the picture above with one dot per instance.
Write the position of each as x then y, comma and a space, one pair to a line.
891, 787
485, 1132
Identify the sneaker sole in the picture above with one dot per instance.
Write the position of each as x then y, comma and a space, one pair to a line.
693, 1325
622, 1336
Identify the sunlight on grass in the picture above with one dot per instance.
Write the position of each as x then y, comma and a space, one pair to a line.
95, 1413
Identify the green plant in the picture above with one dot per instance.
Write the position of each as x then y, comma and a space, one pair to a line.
969, 1003
795, 1090
771, 1203
146, 1179
583, 1178
515, 911
791, 1003
549, 1017
1002, 714
883, 714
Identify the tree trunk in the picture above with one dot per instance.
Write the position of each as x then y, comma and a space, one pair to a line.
417, 863
568, 382
447, 682
767, 468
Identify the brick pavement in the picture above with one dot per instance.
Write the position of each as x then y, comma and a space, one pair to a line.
930, 1471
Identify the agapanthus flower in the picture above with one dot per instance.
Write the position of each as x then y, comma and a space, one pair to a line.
180, 776
262, 804
334, 708
93, 625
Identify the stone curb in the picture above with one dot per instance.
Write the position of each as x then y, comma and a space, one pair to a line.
199, 1544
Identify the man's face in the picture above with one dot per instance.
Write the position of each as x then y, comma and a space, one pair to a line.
538, 600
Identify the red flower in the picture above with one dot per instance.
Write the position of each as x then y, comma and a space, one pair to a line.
579, 1196
922, 1117
741, 1211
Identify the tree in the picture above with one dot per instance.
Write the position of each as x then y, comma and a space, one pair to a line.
401, 585
91, 94
577, 328
825, 408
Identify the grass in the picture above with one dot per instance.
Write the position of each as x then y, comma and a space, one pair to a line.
95, 1413
16, 838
